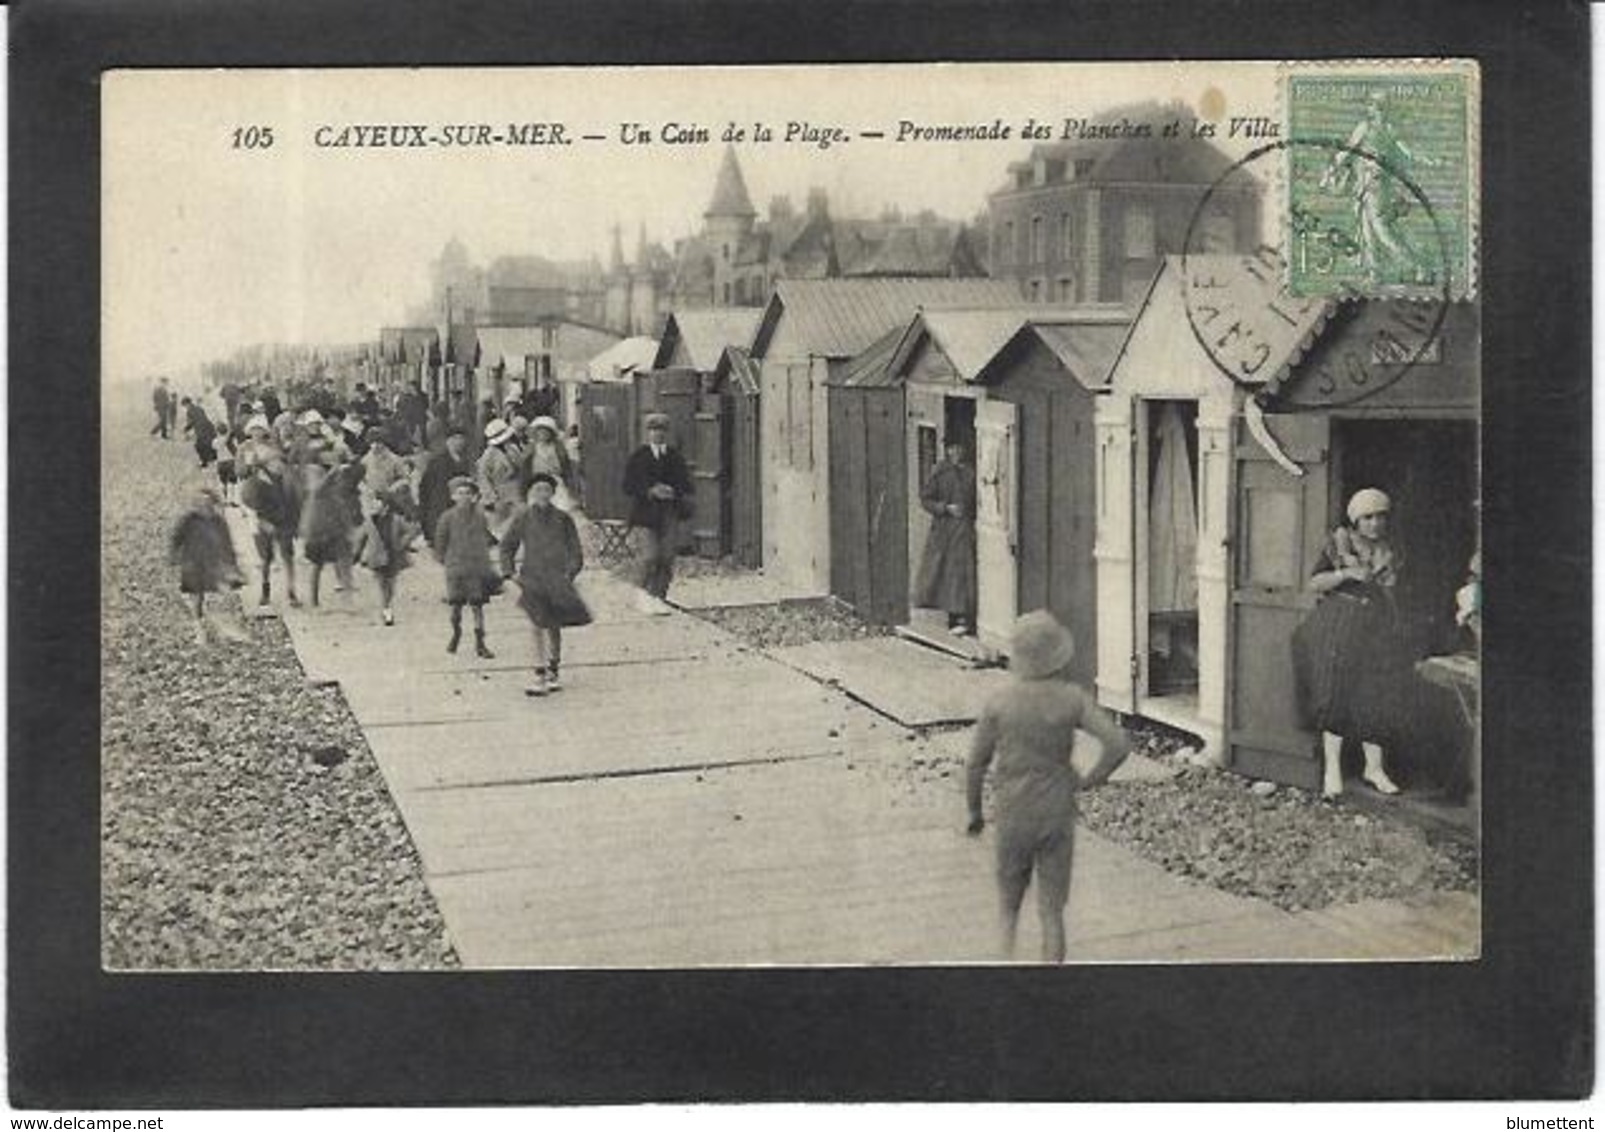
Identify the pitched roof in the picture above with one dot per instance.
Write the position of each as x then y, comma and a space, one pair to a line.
1087, 350
508, 345
707, 332
623, 358
969, 338
730, 190
872, 368
837, 318
736, 366
1239, 283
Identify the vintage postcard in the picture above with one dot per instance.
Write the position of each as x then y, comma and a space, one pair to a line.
667, 517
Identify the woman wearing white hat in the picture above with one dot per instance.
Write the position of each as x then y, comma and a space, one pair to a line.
499, 488
547, 454
1348, 660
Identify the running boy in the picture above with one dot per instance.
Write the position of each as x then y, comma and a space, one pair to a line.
1029, 726
382, 545
204, 553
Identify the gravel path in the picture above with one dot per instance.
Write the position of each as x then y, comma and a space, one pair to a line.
780, 624
226, 841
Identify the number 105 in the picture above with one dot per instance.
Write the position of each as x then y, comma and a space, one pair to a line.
253, 137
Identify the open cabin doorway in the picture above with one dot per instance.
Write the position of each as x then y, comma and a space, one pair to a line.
1428, 468
1167, 561
937, 419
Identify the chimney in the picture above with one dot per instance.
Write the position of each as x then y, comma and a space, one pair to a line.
780, 208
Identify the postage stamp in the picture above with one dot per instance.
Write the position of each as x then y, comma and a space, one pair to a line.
1381, 192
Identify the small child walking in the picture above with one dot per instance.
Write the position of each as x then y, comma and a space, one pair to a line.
462, 543
552, 560
1029, 726
224, 446
382, 546
204, 553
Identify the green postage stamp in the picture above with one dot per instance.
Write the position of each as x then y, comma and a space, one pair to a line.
1381, 189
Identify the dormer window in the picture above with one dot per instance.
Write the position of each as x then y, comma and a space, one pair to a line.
1039, 172
1083, 167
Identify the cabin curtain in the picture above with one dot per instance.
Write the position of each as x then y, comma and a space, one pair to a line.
1172, 526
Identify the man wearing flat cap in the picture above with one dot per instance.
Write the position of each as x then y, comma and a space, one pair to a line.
659, 486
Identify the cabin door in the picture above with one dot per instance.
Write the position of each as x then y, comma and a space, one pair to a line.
1279, 526
997, 514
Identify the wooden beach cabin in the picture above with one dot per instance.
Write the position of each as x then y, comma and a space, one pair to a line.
810, 329
1016, 385
714, 419
1196, 619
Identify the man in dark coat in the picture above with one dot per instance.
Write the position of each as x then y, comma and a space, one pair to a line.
271, 406
947, 569
658, 483
162, 401
434, 488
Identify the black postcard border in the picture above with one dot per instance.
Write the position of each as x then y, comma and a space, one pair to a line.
1519, 1023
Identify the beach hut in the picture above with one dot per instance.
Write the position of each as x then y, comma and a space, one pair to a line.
736, 378
1016, 386
686, 383
812, 328
1215, 495
869, 486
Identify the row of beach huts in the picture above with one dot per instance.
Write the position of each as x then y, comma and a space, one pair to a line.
1160, 475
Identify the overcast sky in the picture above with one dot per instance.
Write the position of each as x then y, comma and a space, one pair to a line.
209, 247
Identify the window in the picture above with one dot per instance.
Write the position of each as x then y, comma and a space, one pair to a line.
1083, 167
1067, 289
1067, 247
727, 294
1033, 290
1038, 247
1006, 251
727, 253
1139, 230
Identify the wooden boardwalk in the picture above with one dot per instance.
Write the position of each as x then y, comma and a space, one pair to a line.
686, 800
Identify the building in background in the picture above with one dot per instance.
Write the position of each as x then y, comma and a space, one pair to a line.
1089, 221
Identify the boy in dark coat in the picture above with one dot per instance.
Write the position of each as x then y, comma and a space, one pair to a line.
435, 493
552, 560
461, 540
658, 483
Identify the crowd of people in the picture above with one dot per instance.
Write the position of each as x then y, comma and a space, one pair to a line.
339, 483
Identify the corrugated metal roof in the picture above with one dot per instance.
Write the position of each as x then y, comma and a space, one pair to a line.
623, 358
873, 368
837, 318
706, 333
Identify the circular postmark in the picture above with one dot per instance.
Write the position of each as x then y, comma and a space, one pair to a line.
1249, 321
